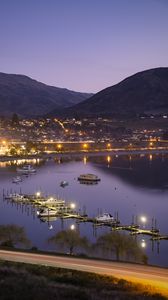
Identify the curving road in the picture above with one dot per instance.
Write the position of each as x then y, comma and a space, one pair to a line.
155, 276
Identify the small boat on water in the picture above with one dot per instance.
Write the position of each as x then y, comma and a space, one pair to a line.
64, 183
16, 179
51, 201
88, 178
46, 212
49, 218
11, 196
106, 217
26, 169
16, 197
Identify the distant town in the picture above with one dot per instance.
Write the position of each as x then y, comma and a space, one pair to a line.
20, 137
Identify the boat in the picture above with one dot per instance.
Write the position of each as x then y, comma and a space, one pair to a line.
51, 201
26, 169
17, 179
88, 178
11, 196
46, 212
64, 183
106, 217
16, 197
49, 218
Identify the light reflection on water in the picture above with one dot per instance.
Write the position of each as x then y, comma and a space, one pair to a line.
130, 185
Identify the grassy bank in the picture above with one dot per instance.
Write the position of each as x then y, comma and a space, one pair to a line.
25, 281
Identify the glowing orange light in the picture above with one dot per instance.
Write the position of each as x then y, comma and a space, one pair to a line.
85, 146
108, 159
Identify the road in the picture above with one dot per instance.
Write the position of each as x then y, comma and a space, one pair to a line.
98, 152
155, 276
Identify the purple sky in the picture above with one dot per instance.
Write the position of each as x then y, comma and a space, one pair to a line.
83, 45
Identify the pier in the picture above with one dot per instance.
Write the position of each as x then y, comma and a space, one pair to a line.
58, 208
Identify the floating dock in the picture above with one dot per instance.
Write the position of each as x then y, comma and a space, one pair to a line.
66, 211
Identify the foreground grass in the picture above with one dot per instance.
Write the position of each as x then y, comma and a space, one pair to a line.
25, 281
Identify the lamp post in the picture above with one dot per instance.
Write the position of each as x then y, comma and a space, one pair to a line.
143, 220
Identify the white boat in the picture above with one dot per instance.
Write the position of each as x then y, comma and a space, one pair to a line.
52, 201
46, 212
16, 197
26, 169
88, 178
17, 179
64, 183
11, 196
106, 217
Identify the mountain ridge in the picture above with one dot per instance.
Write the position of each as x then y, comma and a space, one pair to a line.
28, 97
141, 93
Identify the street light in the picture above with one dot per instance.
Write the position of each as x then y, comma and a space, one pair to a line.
59, 146
85, 146
38, 194
143, 219
72, 205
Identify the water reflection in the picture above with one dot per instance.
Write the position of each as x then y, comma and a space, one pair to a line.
129, 187
136, 171
19, 162
85, 160
108, 161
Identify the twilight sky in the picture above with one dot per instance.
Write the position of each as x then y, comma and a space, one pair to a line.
83, 45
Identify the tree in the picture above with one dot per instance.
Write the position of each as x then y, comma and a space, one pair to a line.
13, 151
31, 146
120, 245
15, 120
13, 235
70, 239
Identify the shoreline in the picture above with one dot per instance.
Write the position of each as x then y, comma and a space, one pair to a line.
112, 152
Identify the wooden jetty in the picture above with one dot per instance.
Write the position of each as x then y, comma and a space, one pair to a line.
159, 237
65, 211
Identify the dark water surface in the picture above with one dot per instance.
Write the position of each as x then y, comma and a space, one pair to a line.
136, 185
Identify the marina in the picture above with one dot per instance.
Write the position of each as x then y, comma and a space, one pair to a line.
55, 207
41, 205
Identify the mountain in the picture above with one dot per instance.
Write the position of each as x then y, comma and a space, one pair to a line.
143, 93
27, 97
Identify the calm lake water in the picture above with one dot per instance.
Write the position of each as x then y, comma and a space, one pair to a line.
130, 185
